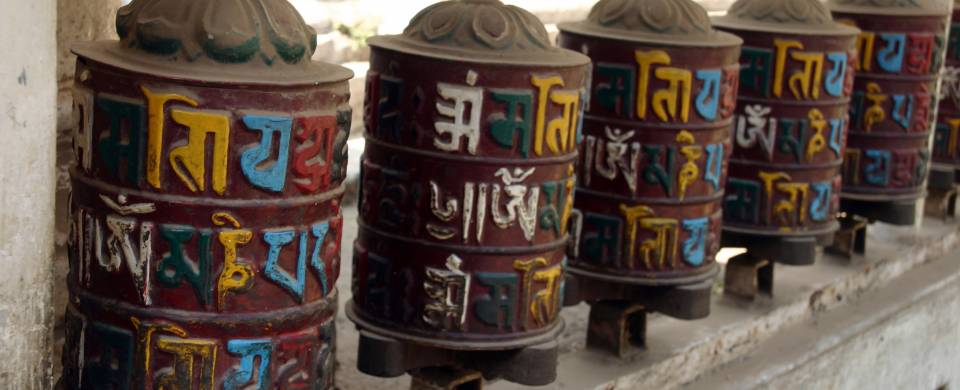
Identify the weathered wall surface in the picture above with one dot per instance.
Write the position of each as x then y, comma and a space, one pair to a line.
28, 128
917, 348
904, 335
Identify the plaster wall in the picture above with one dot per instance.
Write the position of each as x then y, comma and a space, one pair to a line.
28, 118
917, 349
904, 335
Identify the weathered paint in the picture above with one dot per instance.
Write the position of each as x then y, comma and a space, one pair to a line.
892, 114
205, 225
27, 187
791, 120
657, 138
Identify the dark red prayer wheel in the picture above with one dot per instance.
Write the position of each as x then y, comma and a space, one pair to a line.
657, 138
892, 115
472, 123
946, 139
791, 120
205, 215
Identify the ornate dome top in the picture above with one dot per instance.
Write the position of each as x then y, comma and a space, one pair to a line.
809, 17
479, 31
263, 41
897, 7
676, 22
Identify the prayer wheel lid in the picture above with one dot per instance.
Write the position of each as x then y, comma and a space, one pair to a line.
662, 22
480, 31
232, 41
802, 17
893, 7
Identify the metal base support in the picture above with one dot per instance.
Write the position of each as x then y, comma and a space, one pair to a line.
941, 203
435, 378
747, 276
851, 239
899, 212
388, 357
618, 312
617, 327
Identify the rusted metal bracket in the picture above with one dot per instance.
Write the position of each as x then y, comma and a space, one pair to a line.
617, 327
618, 311
448, 369
851, 239
751, 273
439, 378
941, 203
747, 276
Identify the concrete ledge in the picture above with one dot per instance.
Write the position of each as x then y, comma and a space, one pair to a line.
904, 335
680, 352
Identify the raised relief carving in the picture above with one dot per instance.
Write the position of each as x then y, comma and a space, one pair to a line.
779, 11
479, 25
656, 16
448, 292
242, 31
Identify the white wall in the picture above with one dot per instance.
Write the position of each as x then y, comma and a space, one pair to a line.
28, 116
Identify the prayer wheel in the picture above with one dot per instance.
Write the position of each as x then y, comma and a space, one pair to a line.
205, 213
652, 166
472, 122
892, 114
946, 139
791, 120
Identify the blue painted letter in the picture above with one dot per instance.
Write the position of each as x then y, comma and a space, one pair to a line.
273, 177
709, 97
249, 349
694, 248
820, 208
837, 74
890, 57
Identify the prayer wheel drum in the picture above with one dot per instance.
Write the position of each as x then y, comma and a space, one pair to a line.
893, 111
946, 140
472, 121
656, 144
791, 120
205, 213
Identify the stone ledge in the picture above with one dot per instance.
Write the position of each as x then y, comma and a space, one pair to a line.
903, 335
680, 352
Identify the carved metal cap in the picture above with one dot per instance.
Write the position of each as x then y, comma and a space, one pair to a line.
666, 22
483, 31
893, 7
805, 17
243, 41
